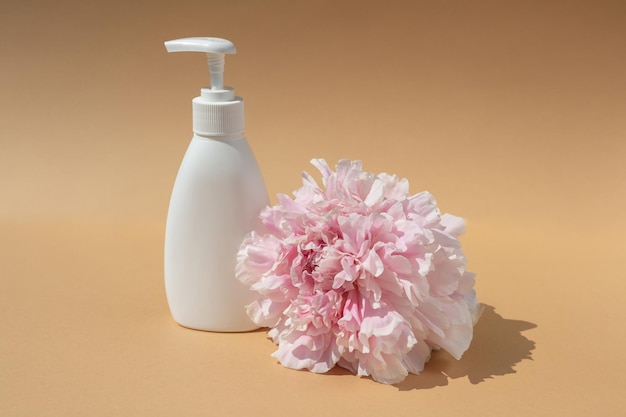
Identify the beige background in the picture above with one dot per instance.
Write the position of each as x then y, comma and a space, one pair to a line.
512, 113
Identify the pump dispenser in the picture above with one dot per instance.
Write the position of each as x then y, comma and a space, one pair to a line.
217, 197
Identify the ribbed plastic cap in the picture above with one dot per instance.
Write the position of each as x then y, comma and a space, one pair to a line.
218, 118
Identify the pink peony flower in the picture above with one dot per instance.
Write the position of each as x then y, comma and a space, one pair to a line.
359, 274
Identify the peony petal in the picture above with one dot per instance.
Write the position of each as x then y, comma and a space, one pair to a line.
445, 239
373, 264
396, 189
416, 358
322, 167
391, 371
265, 312
302, 351
398, 264
452, 326
453, 225
309, 181
444, 278
376, 194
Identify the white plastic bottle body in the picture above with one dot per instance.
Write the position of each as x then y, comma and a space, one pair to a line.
217, 197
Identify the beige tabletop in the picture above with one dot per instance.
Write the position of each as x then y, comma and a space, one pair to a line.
512, 113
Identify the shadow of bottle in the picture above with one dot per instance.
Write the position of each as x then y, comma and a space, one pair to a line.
497, 346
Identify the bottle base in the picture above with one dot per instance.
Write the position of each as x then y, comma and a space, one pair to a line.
220, 329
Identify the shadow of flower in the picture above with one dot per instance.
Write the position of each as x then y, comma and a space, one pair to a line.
498, 345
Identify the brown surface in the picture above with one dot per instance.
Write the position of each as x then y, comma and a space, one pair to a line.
513, 114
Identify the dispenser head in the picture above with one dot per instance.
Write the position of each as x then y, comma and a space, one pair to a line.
215, 49
217, 112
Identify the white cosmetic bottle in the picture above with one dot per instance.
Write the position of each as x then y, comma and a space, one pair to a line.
218, 195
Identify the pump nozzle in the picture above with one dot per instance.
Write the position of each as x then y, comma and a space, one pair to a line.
215, 48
